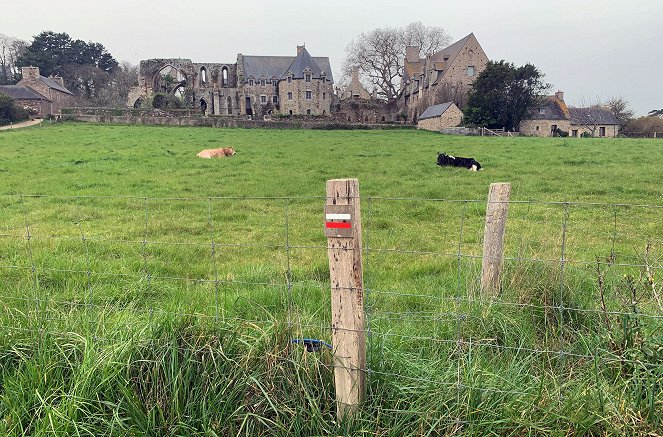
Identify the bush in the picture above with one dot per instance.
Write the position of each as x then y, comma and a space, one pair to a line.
9, 112
166, 101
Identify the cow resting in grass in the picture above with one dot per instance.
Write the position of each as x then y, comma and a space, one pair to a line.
216, 153
453, 161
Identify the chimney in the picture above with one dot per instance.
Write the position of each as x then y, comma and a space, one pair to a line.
412, 53
299, 49
560, 95
57, 79
31, 73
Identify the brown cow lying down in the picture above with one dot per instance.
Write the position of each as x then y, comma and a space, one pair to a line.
216, 153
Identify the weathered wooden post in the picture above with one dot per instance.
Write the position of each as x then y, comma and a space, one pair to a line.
343, 231
493, 240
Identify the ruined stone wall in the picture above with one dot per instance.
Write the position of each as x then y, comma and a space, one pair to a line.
364, 111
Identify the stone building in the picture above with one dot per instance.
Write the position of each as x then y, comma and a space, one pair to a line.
253, 85
554, 118
438, 117
441, 77
356, 105
43, 95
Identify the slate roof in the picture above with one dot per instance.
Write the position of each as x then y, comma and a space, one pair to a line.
451, 51
592, 116
55, 85
19, 92
413, 69
435, 110
278, 66
553, 109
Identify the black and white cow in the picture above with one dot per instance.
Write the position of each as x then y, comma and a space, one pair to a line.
447, 160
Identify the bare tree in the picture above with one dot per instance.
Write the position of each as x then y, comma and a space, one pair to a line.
620, 109
10, 49
429, 39
379, 54
451, 92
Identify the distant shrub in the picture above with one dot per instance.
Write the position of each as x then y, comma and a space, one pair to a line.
166, 101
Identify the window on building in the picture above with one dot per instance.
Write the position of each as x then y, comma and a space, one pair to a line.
289, 78
536, 128
308, 112
251, 82
275, 99
324, 96
602, 131
274, 82
263, 82
470, 70
574, 133
309, 95
203, 76
289, 95
224, 76
542, 111
307, 77
290, 112
263, 99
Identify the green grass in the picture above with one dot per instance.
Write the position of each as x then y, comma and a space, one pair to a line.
152, 296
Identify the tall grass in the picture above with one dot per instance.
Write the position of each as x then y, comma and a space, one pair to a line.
167, 302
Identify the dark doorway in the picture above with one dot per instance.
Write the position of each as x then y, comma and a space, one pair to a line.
203, 106
249, 109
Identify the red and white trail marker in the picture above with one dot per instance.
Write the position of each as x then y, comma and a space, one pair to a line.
338, 221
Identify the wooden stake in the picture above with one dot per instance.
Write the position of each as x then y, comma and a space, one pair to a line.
343, 230
493, 240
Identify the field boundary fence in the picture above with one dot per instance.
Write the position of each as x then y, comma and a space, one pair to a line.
427, 292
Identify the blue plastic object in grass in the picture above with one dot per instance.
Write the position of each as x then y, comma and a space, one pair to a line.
311, 344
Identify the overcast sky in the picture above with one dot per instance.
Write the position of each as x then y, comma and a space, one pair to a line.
590, 49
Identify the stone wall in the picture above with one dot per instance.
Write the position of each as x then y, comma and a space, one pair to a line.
364, 111
38, 108
224, 122
543, 128
611, 130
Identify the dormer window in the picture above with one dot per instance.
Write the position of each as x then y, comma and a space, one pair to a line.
251, 82
289, 78
274, 82
542, 111
307, 77
263, 82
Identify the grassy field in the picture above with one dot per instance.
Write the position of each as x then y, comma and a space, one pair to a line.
146, 291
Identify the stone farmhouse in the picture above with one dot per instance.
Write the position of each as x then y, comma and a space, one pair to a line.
42, 95
555, 118
441, 77
253, 85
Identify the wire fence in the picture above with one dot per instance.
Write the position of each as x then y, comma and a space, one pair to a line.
580, 286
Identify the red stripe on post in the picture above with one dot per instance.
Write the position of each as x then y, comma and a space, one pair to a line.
337, 225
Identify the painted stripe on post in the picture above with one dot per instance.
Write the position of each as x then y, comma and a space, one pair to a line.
338, 216
337, 225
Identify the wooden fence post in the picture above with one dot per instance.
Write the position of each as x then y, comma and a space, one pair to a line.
343, 231
493, 240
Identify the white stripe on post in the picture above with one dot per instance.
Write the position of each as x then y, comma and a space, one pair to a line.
338, 216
